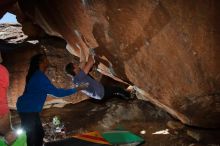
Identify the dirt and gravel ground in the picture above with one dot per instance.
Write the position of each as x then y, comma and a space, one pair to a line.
134, 115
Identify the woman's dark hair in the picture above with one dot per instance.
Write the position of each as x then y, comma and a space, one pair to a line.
36, 60
69, 69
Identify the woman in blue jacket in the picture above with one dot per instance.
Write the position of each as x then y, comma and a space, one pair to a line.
30, 104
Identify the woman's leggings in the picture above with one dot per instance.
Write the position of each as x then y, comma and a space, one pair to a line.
32, 125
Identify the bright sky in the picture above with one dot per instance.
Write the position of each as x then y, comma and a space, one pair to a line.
8, 18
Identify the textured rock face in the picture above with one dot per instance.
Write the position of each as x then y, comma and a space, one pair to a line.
169, 48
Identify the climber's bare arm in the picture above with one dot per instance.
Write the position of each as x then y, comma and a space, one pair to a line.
89, 64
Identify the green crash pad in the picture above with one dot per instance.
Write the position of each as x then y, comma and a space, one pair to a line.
20, 141
122, 137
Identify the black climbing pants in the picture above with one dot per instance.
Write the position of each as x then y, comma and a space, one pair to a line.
115, 91
32, 125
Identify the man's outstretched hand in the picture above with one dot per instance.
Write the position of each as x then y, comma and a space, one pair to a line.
92, 52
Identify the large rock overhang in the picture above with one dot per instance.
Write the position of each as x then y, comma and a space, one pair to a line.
168, 49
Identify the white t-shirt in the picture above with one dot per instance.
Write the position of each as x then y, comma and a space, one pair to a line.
95, 89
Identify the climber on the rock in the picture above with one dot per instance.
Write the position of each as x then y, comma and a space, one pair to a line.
96, 90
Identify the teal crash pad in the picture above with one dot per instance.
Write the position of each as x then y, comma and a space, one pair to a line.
122, 137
